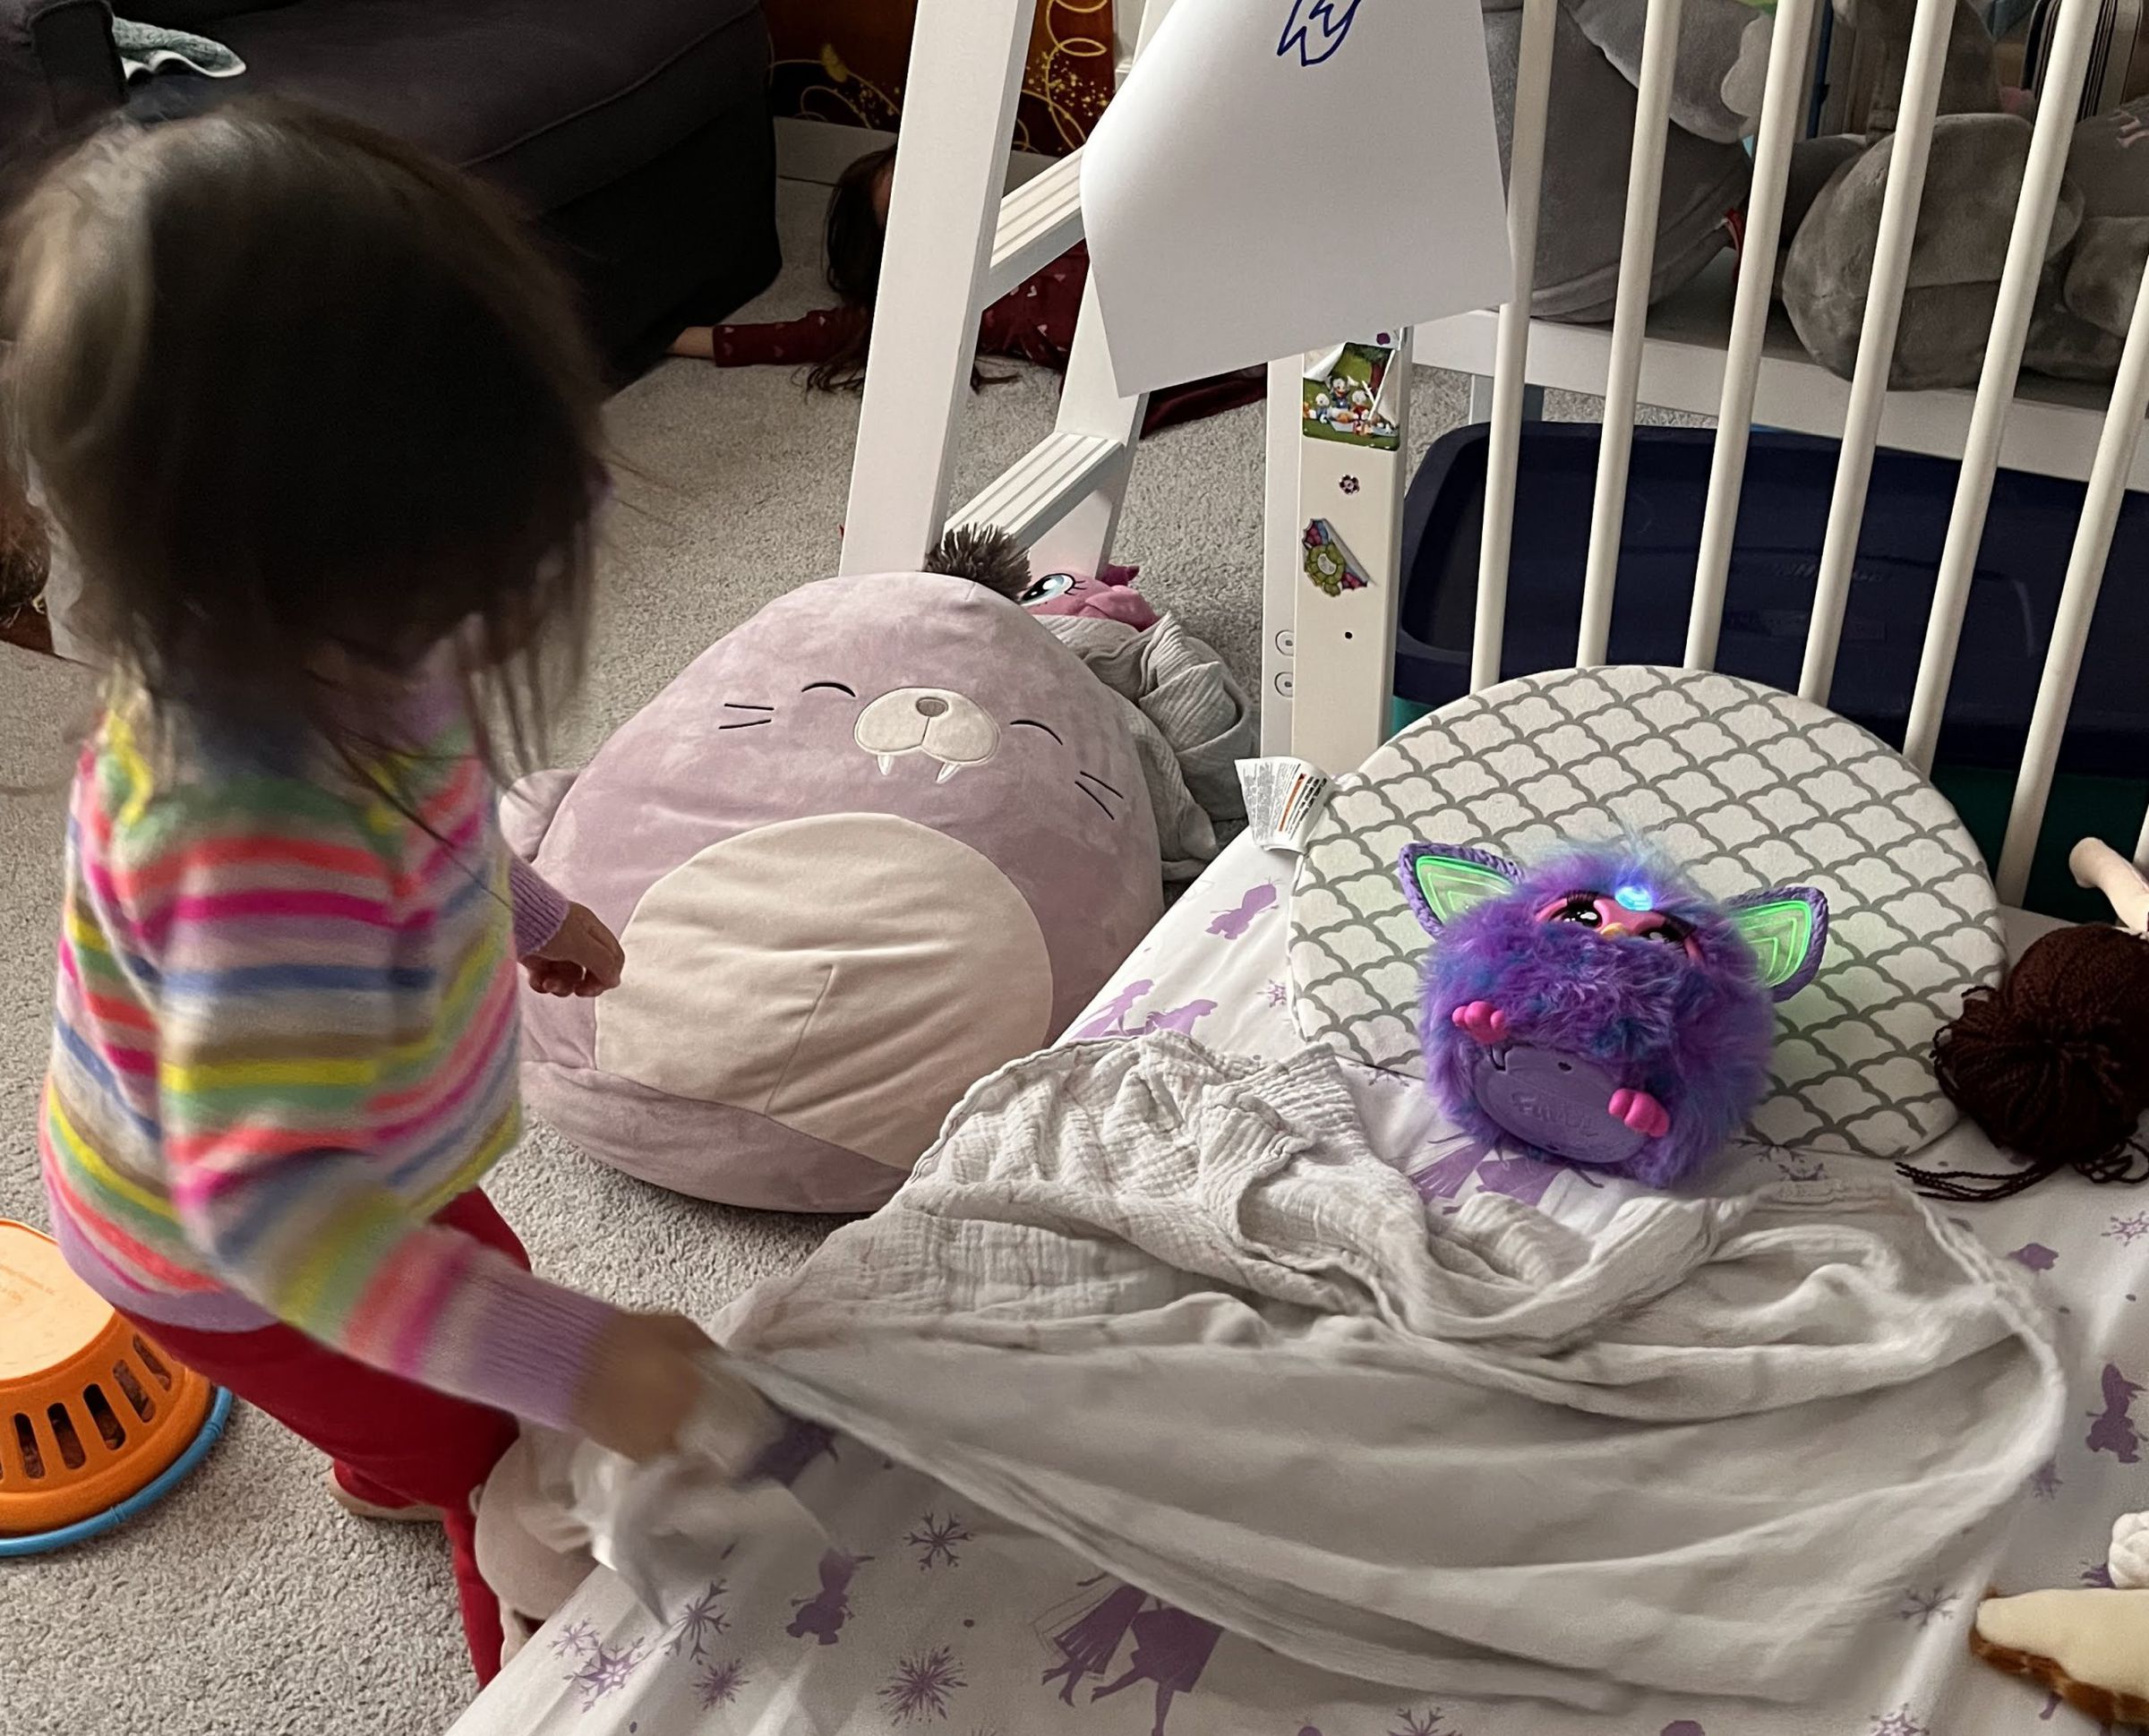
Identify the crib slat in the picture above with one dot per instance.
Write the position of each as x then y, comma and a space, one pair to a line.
1876, 342
1630, 321
1525, 181
1996, 383
1789, 50
2121, 433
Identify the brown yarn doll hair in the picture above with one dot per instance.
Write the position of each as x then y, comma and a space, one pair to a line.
2053, 1064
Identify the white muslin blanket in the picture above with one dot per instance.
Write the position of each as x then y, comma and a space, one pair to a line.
1171, 1310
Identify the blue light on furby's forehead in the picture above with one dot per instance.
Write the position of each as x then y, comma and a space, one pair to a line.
1634, 898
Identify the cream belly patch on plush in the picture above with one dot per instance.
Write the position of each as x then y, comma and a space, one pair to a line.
853, 950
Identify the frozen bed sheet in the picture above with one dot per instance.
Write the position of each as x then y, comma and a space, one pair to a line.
930, 1615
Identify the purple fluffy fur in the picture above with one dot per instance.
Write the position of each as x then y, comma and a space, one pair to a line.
1696, 1035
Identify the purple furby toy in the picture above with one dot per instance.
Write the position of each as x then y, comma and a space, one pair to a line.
1599, 1009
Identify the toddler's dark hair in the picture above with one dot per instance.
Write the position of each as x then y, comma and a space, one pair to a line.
299, 396
854, 238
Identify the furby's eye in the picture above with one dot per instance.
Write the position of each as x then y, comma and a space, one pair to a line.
1669, 930
1579, 907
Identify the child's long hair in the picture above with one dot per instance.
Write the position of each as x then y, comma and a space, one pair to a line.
854, 237
306, 406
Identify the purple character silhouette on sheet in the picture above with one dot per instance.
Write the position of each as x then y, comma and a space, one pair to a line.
1086, 1632
1522, 1178
796, 1447
1171, 1649
1180, 1018
1685, 1727
1111, 1017
1232, 924
1526, 1179
2112, 1430
823, 1615
1443, 1178
2036, 1256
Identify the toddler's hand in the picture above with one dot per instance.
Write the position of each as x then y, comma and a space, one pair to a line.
646, 1376
584, 958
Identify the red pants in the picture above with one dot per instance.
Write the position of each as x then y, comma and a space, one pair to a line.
395, 1443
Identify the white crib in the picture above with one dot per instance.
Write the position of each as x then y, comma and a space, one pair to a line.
953, 244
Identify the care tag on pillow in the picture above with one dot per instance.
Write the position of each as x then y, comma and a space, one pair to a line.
1284, 797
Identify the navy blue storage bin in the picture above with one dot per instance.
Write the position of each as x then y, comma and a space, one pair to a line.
1783, 514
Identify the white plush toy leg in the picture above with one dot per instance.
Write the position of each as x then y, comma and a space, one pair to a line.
2130, 1558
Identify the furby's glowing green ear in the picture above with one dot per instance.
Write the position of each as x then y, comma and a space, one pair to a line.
1788, 928
1442, 881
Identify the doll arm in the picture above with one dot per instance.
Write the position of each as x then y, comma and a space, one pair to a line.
2095, 863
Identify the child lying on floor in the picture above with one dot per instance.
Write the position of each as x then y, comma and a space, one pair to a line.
1032, 322
322, 432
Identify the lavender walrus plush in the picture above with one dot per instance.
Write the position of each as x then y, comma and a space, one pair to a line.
884, 837
1598, 1008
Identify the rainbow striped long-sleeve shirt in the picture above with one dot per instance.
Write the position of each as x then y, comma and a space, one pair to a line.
286, 1035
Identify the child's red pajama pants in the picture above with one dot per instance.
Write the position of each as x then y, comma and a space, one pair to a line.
395, 1443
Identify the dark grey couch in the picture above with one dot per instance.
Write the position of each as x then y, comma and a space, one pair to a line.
636, 132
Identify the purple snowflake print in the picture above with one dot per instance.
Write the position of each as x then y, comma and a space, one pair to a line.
2045, 1480
720, 1684
935, 1540
1426, 1722
1898, 1723
2129, 1229
577, 1639
1277, 994
920, 1687
699, 1624
1926, 1607
1349, 484
606, 1672
2036, 1256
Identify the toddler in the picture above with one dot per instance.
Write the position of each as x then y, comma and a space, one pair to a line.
322, 434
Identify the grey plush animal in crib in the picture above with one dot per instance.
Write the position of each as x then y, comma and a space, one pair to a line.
2099, 236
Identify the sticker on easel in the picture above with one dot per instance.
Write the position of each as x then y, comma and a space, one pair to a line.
1329, 561
1352, 395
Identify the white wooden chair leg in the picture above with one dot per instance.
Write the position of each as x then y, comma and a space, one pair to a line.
966, 75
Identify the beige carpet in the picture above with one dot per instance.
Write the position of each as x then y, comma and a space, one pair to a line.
246, 1604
